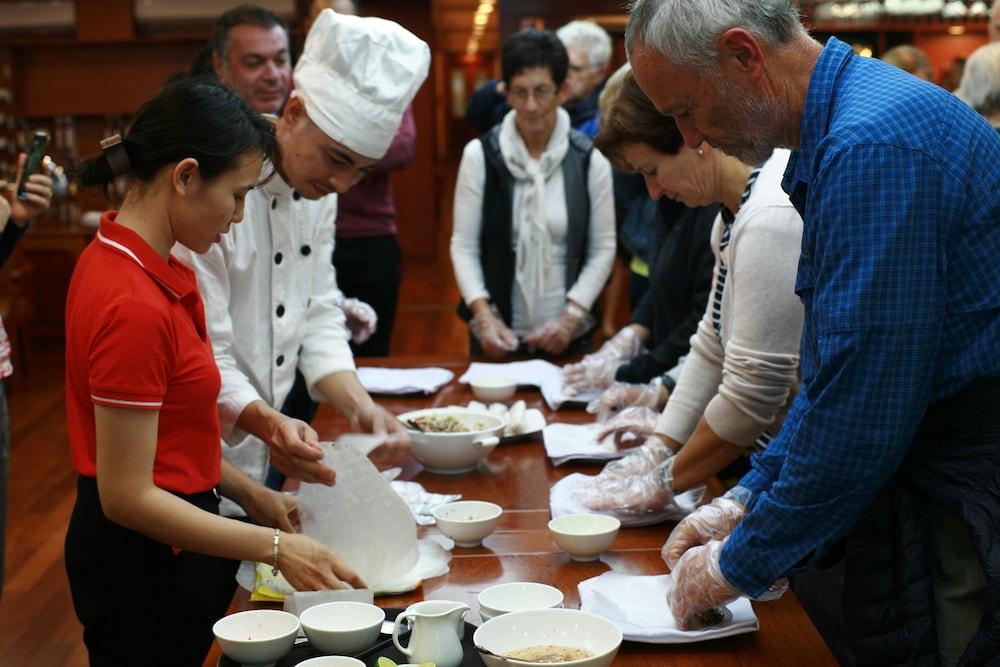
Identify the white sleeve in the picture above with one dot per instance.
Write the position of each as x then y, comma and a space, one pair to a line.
237, 391
468, 222
762, 352
326, 345
698, 381
601, 239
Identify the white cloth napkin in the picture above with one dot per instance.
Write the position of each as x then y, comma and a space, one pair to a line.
536, 373
568, 442
638, 606
377, 380
563, 500
421, 501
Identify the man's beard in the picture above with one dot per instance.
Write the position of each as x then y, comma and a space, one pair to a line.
754, 120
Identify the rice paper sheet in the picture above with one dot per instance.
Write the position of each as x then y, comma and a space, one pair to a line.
361, 518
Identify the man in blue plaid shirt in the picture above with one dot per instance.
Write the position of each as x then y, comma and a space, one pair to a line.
895, 428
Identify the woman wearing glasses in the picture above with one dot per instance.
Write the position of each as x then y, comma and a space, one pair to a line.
534, 234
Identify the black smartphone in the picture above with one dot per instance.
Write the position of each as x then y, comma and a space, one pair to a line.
34, 161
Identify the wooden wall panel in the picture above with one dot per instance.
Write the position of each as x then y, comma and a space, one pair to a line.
94, 79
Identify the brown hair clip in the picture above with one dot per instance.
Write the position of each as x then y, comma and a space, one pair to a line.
114, 152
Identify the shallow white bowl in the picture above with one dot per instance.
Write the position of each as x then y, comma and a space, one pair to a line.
332, 661
342, 627
257, 638
584, 536
467, 522
453, 453
493, 388
517, 596
559, 627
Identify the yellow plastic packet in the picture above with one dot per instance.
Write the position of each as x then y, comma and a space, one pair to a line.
269, 587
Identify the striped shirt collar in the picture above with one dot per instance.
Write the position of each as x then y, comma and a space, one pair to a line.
126, 242
802, 164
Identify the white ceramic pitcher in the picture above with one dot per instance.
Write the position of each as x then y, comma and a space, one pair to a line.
438, 626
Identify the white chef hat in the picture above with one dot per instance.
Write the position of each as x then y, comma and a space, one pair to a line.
357, 76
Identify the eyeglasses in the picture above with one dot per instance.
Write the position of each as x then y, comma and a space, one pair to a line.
542, 94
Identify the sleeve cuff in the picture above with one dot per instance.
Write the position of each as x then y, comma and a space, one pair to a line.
676, 423
231, 404
740, 572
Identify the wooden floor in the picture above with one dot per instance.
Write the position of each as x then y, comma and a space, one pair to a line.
38, 627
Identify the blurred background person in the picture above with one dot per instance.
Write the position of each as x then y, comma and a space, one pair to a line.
910, 59
533, 237
250, 55
15, 215
980, 86
588, 48
680, 257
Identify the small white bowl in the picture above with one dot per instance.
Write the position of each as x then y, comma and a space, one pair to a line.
332, 661
257, 638
342, 627
584, 536
493, 388
558, 627
467, 522
517, 596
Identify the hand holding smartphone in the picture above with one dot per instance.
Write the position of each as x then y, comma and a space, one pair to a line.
34, 161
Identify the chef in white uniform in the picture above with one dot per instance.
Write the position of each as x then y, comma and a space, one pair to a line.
269, 288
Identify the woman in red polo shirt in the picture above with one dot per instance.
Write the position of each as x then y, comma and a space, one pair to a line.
151, 564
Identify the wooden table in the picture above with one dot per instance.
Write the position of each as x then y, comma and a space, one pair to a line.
517, 476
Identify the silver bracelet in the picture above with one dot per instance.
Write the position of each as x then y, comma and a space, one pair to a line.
277, 543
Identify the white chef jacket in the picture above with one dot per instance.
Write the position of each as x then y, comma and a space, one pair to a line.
271, 298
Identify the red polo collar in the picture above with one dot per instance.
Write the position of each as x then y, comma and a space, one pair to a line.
126, 242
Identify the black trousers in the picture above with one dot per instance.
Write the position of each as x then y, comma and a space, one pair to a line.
368, 268
139, 603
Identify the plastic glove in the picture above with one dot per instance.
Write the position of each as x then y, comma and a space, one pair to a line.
709, 522
361, 319
621, 395
493, 335
698, 585
630, 427
556, 333
598, 369
635, 494
640, 461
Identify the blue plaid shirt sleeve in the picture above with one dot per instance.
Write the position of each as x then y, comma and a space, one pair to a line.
875, 300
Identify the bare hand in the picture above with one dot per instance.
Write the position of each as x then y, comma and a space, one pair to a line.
39, 188
309, 565
376, 419
295, 451
274, 509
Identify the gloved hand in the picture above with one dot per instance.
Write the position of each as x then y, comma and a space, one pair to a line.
709, 522
698, 585
556, 333
621, 395
493, 335
635, 494
639, 462
630, 427
361, 319
598, 369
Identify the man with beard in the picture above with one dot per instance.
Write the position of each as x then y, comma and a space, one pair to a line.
894, 440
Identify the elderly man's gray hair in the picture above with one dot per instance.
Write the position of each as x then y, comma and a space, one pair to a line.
980, 87
686, 32
589, 37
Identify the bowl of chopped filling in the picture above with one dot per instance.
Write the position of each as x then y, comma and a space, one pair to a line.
452, 440
548, 637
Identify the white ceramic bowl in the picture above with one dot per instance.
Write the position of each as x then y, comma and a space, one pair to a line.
584, 536
453, 453
493, 388
332, 661
342, 627
258, 638
559, 627
467, 522
517, 596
